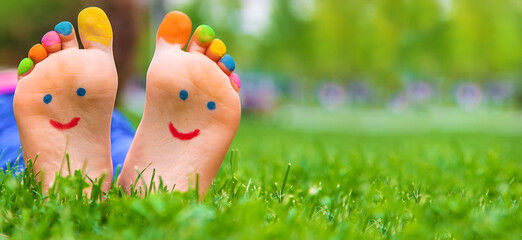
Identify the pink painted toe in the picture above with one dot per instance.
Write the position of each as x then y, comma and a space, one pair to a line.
51, 42
235, 81
51, 38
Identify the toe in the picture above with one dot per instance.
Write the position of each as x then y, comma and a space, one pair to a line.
227, 64
235, 81
37, 53
25, 67
201, 39
51, 42
95, 29
175, 29
67, 35
216, 50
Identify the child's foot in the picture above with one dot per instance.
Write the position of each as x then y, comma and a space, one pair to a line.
192, 109
64, 100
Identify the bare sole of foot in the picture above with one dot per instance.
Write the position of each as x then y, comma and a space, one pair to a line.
192, 110
65, 97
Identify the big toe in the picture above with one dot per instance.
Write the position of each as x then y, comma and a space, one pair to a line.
175, 29
95, 29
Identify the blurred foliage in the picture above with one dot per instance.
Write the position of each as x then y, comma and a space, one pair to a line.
378, 40
24, 22
384, 40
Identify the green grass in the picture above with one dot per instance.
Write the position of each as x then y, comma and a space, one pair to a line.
359, 185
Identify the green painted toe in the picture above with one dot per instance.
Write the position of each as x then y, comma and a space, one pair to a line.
205, 34
25, 65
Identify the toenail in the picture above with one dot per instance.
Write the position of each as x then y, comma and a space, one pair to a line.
81, 92
175, 28
25, 65
51, 38
234, 79
218, 48
211, 105
37, 53
205, 34
94, 25
183, 94
64, 28
229, 63
47, 98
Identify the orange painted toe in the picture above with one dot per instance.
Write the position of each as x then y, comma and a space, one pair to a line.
175, 28
37, 53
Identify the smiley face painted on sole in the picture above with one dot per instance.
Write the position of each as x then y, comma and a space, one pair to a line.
192, 110
48, 98
65, 126
64, 100
183, 95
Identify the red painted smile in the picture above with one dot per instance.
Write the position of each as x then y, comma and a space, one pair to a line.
183, 136
65, 126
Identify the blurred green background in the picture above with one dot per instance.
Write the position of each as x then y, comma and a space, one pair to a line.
332, 53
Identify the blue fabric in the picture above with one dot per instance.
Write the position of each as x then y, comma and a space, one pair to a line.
122, 133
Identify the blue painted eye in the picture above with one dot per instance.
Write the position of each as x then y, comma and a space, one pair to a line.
47, 98
211, 105
81, 92
183, 94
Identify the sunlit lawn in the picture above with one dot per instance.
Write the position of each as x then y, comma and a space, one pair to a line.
341, 184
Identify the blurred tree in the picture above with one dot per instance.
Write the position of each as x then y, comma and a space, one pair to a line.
341, 40
24, 22
383, 40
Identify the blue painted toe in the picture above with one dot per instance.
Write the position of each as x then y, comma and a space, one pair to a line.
64, 28
228, 61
